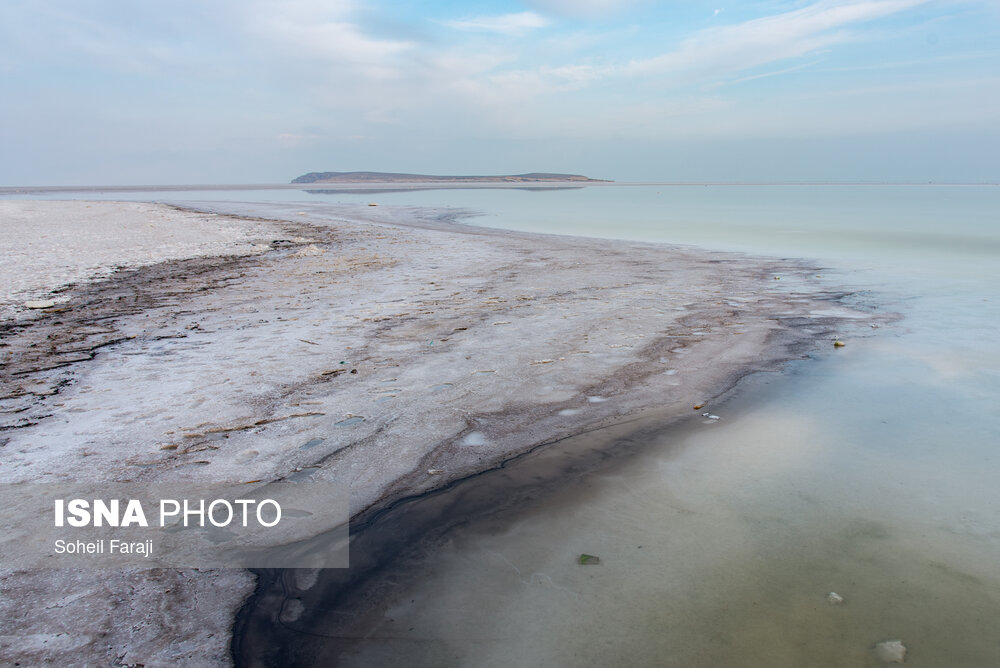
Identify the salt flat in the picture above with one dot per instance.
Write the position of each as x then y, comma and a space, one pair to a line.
48, 244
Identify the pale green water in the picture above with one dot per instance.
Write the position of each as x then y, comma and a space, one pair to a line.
870, 471
862, 473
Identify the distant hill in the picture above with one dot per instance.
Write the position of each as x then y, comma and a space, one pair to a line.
389, 177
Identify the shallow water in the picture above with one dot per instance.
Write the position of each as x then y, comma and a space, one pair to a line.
869, 471
720, 542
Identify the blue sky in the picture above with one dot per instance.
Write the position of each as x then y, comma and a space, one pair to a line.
227, 91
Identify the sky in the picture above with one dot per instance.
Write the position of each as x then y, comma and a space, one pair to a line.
101, 92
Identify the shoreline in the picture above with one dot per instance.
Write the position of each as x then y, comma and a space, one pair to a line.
531, 348
307, 617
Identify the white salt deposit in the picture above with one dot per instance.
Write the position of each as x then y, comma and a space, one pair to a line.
49, 244
474, 438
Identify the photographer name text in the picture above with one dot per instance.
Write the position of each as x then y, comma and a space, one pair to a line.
115, 546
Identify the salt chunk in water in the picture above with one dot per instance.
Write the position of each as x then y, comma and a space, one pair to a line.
891, 651
40, 303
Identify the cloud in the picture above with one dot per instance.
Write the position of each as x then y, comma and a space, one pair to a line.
775, 73
711, 56
575, 98
585, 8
124, 40
321, 31
728, 49
506, 24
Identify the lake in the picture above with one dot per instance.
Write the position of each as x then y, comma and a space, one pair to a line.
869, 471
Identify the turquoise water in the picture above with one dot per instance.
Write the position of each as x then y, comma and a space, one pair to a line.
869, 471
913, 225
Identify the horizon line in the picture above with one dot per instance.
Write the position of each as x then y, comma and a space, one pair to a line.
439, 185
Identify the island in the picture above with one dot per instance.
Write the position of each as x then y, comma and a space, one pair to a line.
391, 177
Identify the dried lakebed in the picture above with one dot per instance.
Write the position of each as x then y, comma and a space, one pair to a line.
387, 349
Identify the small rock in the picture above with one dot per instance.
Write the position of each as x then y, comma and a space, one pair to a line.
41, 303
833, 598
891, 651
698, 407
839, 344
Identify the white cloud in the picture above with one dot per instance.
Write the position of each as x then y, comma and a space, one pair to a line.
711, 56
574, 99
585, 8
507, 24
320, 30
743, 46
62, 33
775, 73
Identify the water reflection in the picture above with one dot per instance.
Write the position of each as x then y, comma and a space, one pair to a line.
720, 543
